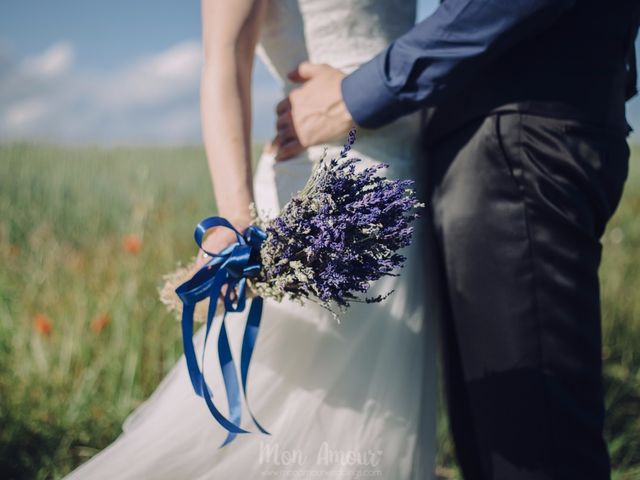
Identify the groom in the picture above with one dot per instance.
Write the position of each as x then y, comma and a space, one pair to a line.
526, 150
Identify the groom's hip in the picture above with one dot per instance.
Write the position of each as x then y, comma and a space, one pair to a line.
519, 202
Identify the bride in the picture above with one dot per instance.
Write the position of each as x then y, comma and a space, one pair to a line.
341, 400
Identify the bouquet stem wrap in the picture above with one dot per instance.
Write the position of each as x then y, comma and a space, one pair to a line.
229, 268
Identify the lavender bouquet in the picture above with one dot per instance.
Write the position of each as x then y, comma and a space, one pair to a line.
333, 239
337, 235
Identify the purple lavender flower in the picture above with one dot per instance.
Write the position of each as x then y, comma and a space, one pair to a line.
338, 235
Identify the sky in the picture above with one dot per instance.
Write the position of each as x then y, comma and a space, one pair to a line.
122, 71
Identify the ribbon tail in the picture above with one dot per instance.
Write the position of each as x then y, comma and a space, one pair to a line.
216, 288
189, 350
229, 375
248, 344
196, 375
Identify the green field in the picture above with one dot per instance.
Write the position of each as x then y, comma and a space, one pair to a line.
85, 236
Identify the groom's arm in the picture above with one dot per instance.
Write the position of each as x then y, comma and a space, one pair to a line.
432, 61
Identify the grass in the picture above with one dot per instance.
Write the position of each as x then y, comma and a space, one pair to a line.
85, 236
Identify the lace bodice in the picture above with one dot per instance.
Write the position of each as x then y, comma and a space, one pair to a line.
342, 33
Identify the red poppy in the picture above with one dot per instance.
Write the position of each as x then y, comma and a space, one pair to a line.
132, 244
100, 322
42, 324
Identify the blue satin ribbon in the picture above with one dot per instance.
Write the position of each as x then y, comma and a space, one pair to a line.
231, 267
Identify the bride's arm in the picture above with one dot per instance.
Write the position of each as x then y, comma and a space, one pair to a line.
230, 33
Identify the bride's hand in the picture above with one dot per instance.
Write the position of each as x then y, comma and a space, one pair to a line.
218, 239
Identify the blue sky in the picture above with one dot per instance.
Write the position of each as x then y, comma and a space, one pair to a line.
89, 71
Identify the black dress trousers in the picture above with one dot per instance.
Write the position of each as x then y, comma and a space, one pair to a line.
519, 203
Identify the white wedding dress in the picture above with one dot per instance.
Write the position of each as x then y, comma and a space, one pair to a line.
344, 400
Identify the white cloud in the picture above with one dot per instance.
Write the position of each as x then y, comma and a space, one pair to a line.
151, 100
55, 60
25, 112
160, 78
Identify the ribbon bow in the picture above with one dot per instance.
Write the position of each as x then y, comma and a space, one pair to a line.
231, 267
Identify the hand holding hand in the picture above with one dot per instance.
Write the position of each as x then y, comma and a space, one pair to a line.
313, 113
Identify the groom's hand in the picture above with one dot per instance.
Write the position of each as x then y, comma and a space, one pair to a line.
312, 114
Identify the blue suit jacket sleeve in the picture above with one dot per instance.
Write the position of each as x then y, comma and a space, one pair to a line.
432, 61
